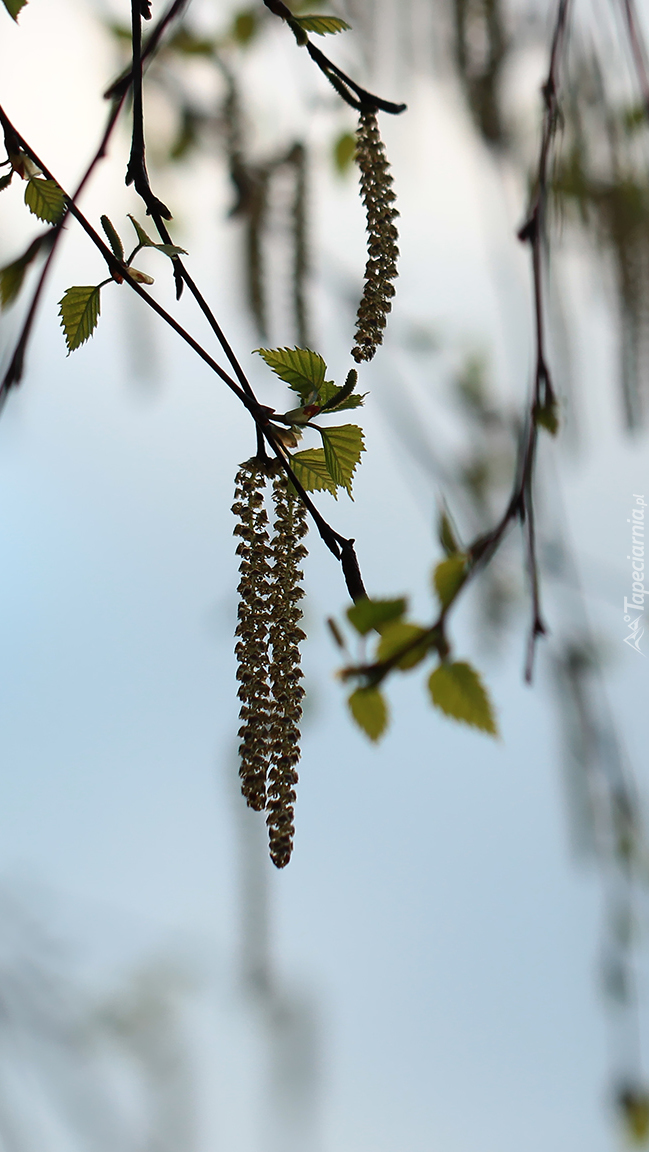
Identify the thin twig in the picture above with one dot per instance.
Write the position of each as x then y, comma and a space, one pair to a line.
341, 547
117, 94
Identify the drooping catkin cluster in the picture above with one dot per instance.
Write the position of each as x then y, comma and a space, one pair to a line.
285, 674
252, 630
381, 268
267, 650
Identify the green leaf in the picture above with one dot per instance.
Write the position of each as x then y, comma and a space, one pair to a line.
142, 236
370, 711
311, 470
322, 25
300, 368
446, 534
245, 26
79, 312
183, 42
170, 250
14, 6
459, 692
367, 614
449, 577
12, 275
342, 448
146, 241
548, 417
344, 151
45, 199
5, 181
396, 636
116, 245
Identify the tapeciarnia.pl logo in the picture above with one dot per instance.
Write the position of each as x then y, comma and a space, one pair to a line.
636, 603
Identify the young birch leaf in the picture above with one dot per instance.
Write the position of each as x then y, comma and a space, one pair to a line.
12, 275
367, 614
449, 577
140, 277
79, 312
322, 25
370, 711
446, 535
300, 368
5, 181
45, 199
311, 470
116, 245
548, 417
170, 250
342, 448
459, 692
142, 237
14, 6
398, 635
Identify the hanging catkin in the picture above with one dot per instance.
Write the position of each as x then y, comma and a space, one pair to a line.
284, 673
381, 268
252, 629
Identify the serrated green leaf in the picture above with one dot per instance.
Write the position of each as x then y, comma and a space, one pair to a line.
370, 711
459, 692
5, 181
300, 368
342, 448
396, 636
14, 6
322, 25
548, 417
79, 312
45, 199
142, 236
311, 470
367, 614
12, 275
116, 245
449, 576
446, 534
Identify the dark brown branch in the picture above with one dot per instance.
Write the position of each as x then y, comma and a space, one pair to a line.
136, 173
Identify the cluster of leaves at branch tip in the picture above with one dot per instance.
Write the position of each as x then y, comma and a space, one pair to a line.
332, 466
454, 686
80, 306
268, 648
45, 200
381, 268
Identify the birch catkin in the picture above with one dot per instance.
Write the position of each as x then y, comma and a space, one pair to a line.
252, 629
268, 649
289, 528
381, 268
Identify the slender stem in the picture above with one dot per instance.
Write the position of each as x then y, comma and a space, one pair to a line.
343, 83
117, 94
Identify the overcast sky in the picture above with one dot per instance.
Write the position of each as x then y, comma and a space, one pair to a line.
432, 914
